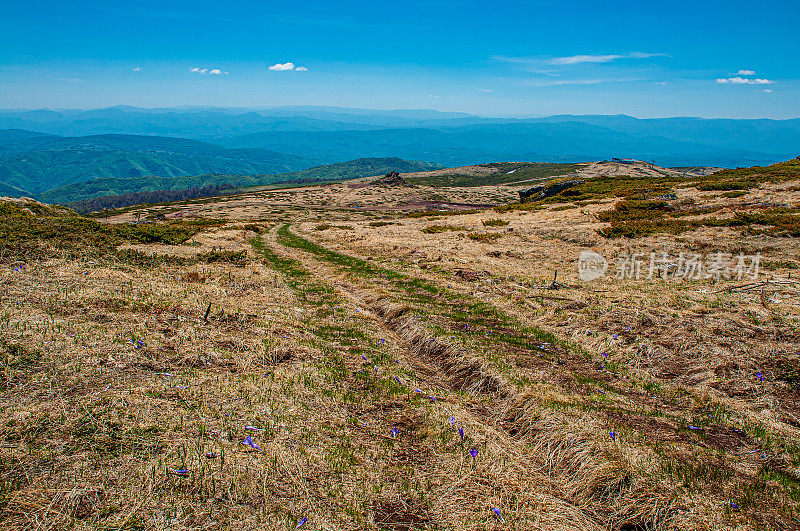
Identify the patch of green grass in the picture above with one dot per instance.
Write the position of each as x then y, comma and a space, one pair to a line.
495, 222
436, 229
735, 193
485, 237
30, 235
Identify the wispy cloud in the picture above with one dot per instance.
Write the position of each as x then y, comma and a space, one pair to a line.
579, 59
746, 73
744, 81
285, 67
208, 71
137, 68
767, 90
554, 83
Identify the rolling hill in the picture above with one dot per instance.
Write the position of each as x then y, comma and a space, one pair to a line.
330, 172
35, 164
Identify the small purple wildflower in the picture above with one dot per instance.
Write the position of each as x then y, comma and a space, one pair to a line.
760, 376
734, 506
376, 369
398, 380
433, 398
473, 452
613, 435
461, 432
395, 432
211, 455
417, 390
601, 391
497, 513
179, 472
693, 427
301, 522
363, 357
605, 355
249, 442
452, 421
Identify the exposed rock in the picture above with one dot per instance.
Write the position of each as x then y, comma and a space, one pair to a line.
391, 179
541, 192
667, 197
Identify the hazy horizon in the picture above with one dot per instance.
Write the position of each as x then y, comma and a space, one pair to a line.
520, 116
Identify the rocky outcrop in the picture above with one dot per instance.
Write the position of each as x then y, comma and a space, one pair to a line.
541, 192
391, 179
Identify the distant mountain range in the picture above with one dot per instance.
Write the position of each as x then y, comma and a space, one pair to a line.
43, 150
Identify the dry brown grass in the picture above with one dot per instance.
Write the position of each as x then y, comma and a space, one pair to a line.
96, 424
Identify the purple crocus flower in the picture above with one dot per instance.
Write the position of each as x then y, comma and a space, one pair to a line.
615, 336
461, 432
179, 472
601, 391
452, 421
249, 442
376, 369
417, 390
497, 513
613, 435
734, 506
605, 355
301, 522
693, 427
398, 380
395, 432
760, 376
473, 452
433, 398
363, 357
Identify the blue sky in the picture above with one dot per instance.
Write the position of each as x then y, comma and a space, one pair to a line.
669, 58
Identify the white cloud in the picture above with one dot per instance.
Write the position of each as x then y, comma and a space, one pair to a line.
746, 73
285, 67
744, 81
487, 90
137, 68
433, 96
211, 71
767, 90
578, 59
